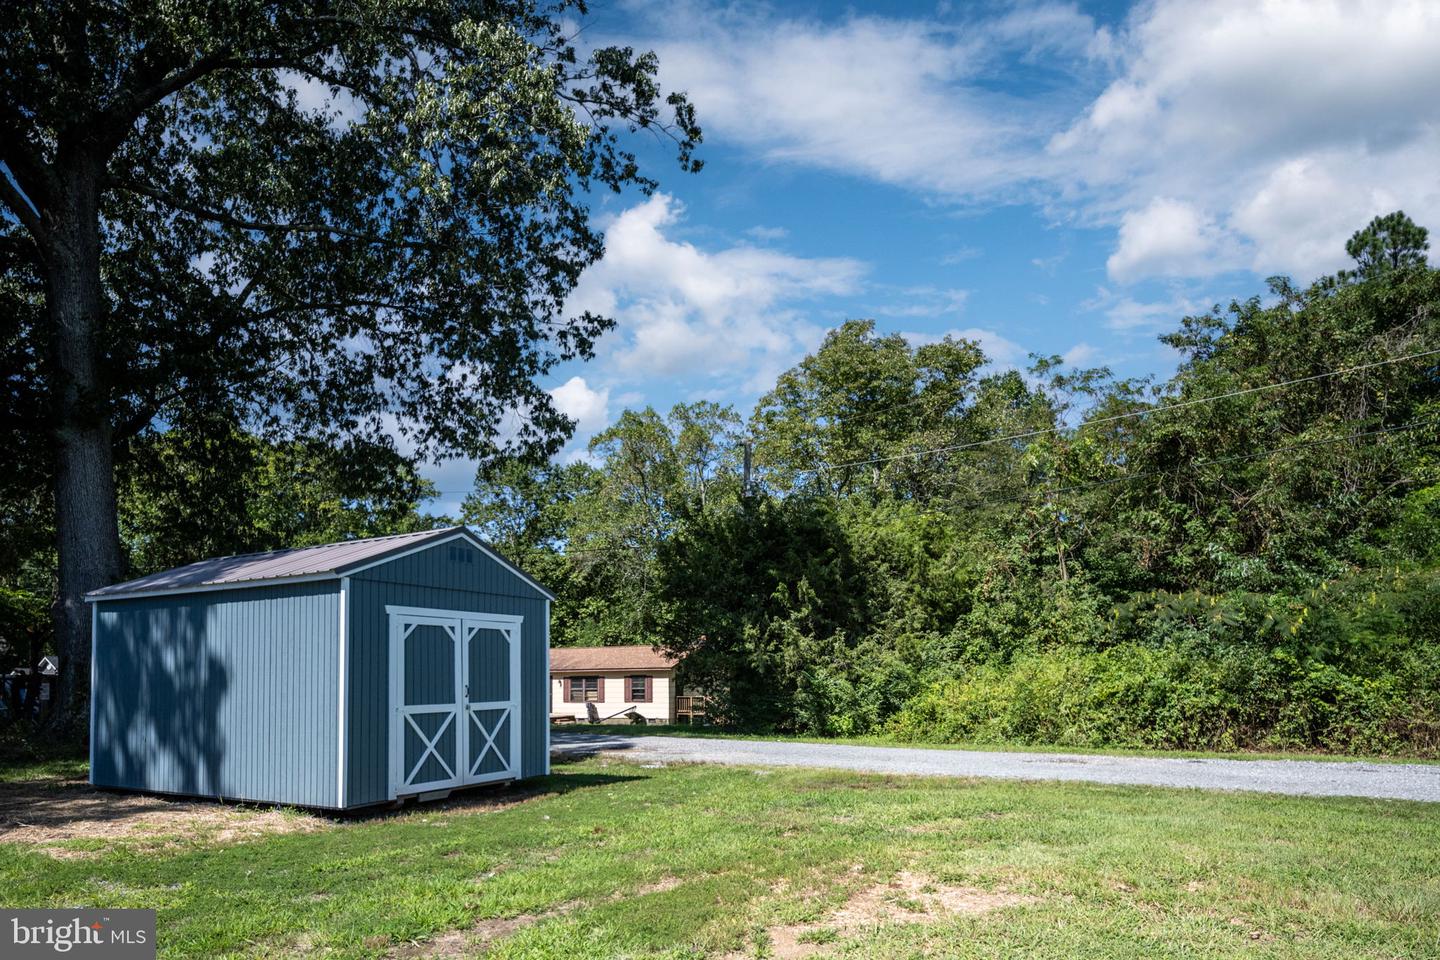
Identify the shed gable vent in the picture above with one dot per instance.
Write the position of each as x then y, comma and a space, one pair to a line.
462, 555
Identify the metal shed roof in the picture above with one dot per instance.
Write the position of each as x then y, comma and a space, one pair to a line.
322, 562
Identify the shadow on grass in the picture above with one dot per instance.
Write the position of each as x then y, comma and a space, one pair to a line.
565, 749
488, 797
61, 804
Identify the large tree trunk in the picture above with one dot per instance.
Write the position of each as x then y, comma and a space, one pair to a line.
87, 533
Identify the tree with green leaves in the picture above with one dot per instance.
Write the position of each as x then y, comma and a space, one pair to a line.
592, 533
203, 489
834, 419
1388, 242
323, 220
655, 470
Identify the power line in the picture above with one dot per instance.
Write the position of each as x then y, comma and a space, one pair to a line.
1286, 448
1110, 419
1215, 461
865, 415
915, 454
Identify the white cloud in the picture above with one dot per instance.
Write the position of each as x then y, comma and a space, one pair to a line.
1051, 263
763, 233
588, 407
1044, 29
1303, 212
731, 315
1080, 355
1272, 128
921, 301
1126, 314
1170, 238
1002, 352
960, 255
1275, 126
1261, 81
906, 102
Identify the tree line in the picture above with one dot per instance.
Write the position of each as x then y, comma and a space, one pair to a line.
1241, 555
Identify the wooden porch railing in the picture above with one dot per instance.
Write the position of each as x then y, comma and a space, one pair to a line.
689, 709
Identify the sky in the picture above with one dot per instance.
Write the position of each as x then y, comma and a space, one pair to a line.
1054, 178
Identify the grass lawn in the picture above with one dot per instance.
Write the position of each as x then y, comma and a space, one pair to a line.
876, 740
607, 858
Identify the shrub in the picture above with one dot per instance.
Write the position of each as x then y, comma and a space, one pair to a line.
1177, 697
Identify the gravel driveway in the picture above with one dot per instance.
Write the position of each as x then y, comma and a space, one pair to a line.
1391, 781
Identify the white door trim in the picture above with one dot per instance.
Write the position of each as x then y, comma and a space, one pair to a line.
454, 614
342, 698
510, 626
399, 714
461, 624
94, 683
548, 688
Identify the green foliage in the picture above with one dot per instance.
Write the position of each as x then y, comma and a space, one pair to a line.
761, 596
406, 248
861, 398
205, 488
1136, 564
1351, 668
1389, 242
592, 534
324, 223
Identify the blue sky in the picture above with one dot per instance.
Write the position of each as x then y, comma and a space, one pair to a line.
1043, 177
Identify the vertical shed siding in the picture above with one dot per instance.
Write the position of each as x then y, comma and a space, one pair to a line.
228, 693
436, 578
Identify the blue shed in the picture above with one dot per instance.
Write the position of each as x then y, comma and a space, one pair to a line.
335, 676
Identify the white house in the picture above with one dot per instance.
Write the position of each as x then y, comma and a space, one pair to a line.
621, 683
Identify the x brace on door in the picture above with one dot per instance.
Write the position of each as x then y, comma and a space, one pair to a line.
430, 743
489, 740
446, 678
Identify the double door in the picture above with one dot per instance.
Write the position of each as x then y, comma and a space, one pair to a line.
455, 699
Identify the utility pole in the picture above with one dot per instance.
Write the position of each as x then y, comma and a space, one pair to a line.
745, 487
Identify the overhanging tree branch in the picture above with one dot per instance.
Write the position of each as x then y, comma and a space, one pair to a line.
116, 121
261, 226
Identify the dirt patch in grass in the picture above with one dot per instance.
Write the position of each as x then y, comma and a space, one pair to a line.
465, 943
67, 817
908, 898
70, 818
659, 886
478, 937
912, 897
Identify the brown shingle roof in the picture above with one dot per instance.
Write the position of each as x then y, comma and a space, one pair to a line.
639, 657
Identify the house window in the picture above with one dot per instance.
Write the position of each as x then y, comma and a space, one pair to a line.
639, 688
584, 690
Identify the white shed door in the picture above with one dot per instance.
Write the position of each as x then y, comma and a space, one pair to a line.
454, 687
